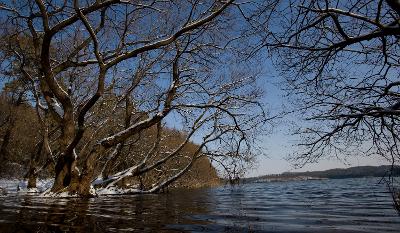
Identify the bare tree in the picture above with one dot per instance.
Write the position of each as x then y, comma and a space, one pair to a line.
340, 60
16, 96
21, 92
157, 61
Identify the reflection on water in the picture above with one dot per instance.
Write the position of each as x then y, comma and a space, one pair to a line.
349, 205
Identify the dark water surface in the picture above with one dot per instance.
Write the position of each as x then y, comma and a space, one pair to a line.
348, 205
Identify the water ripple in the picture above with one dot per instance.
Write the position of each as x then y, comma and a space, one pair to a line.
349, 205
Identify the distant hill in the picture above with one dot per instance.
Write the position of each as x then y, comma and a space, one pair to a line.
337, 173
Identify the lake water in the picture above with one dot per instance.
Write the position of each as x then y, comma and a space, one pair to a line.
347, 205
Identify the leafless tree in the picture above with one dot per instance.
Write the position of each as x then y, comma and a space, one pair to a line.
16, 98
341, 64
157, 61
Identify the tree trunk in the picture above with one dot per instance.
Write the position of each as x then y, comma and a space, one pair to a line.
88, 171
4, 146
66, 172
32, 178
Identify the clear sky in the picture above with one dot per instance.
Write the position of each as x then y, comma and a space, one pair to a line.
279, 144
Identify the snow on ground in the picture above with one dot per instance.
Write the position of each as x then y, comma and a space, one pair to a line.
10, 186
116, 191
14, 186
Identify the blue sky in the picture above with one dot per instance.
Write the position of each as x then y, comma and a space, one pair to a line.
280, 143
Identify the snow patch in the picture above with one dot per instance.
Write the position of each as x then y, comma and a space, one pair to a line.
15, 186
117, 191
12, 186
